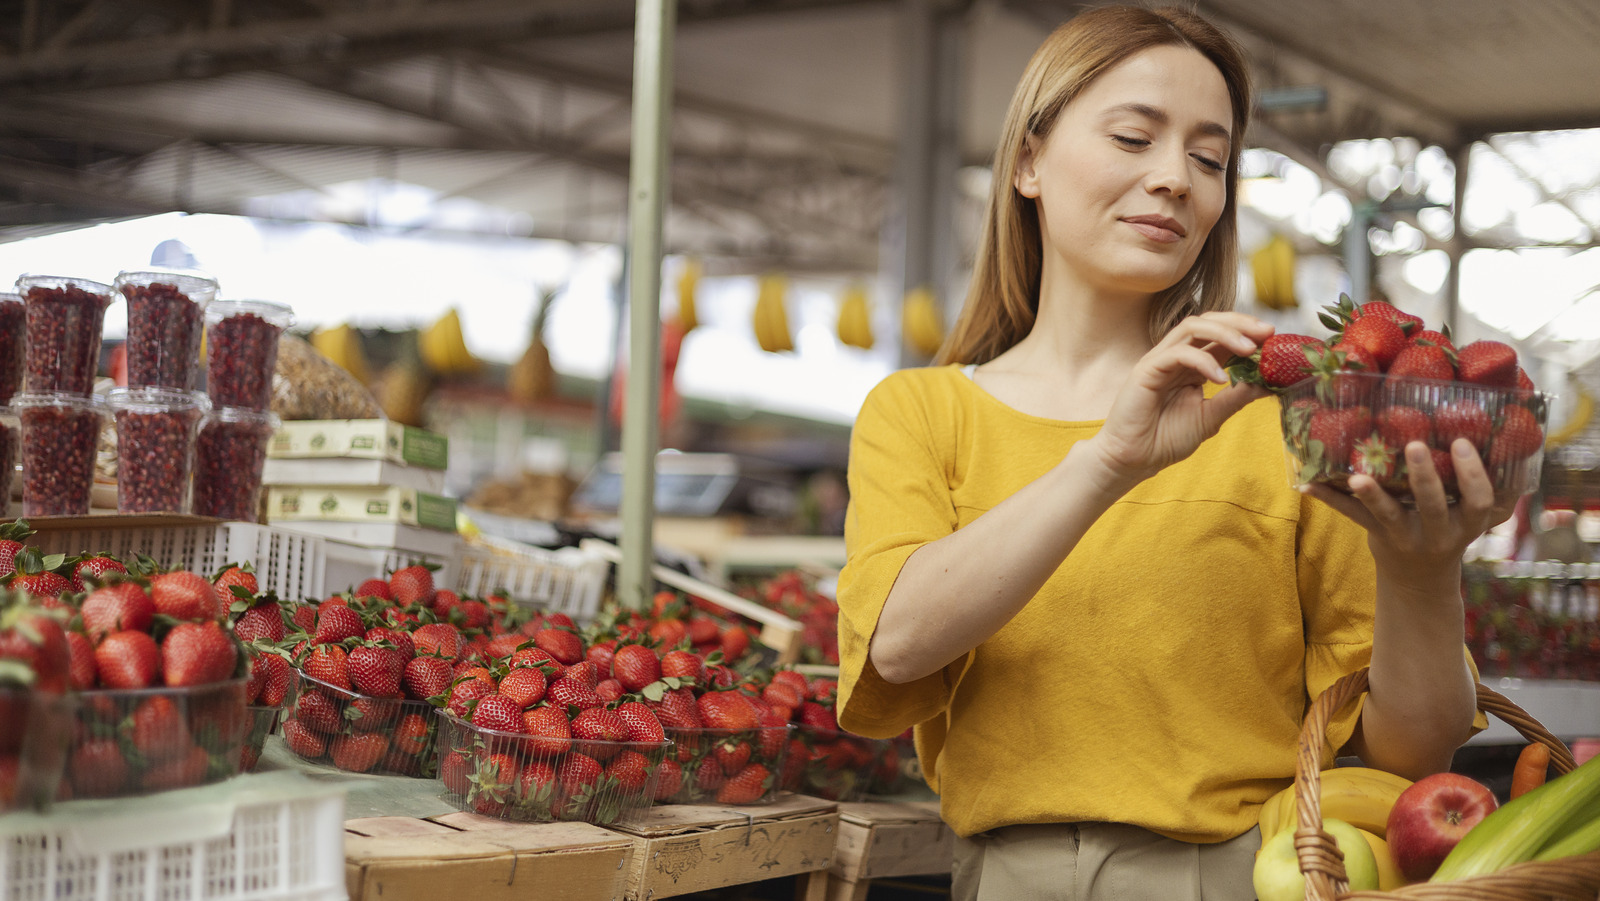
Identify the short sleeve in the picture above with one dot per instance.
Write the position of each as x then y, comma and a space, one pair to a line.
899, 501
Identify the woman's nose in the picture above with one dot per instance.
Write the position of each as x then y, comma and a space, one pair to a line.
1171, 173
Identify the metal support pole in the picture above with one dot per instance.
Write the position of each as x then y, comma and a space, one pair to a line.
1358, 251
1458, 239
647, 201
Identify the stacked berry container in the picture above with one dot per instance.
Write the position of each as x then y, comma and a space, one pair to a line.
59, 418
13, 326
158, 414
241, 353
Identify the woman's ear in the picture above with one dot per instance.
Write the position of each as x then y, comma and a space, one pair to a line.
1026, 179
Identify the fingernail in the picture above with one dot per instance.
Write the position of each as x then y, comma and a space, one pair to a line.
1462, 449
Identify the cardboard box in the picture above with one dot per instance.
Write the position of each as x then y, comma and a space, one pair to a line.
377, 439
360, 504
350, 471
878, 840
679, 848
468, 856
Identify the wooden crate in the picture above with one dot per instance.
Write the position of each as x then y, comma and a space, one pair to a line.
882, 840
463, 855
683, 848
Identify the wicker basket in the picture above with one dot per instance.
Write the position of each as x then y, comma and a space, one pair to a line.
1568, 879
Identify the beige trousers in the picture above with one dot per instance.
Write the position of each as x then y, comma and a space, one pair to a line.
1099, 862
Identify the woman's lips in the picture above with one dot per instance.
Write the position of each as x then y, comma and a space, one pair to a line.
1157, 228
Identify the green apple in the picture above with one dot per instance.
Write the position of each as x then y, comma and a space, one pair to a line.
1277, 875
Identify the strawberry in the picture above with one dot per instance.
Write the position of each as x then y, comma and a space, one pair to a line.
1409, 324
499, 713
817, 716
726, 710
318, 712
685, 666
474, 614
438, 639
1398, 426
117, 607
272, 675
303, 741
262, 621
358, 753
631, 770
562, 644
375, 588
537, 783
33, 647
1423, 361
669, 779
709, 776
584, 672
568, 691
127, 659
1380, 337
531, 656
501, 647
732, 755
184, 595
12, 536
198, 654
41, 583
158, 729
1524, 382
425, 677
577, 773
455, 773
97, 769
1462, 419
1376, 458
1338, 429
643, 726
669, 633
304, 617
81, 669
328, 663
1434, 338
599, 724
551, 731
1517, 438
94, 568
610, 691
746, 786
465, 695
1283, 359
366, 714
1487, 363
335, 623
1445, 466
403, 645
375, 671
182, 770
412, 585
677, 710
796, 679
524, 685
635, 666
411, 734
735, 643
782, 694
240, 576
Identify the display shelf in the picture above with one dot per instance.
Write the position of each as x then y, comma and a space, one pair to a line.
1569, 709
683, 848
880, 840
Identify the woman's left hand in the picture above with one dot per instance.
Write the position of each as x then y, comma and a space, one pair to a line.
1435, 534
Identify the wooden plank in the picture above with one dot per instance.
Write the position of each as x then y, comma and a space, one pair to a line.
500, 862
674, 819
732, 855
391, 826
879, 840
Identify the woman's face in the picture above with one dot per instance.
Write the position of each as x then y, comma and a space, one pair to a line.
1133, 176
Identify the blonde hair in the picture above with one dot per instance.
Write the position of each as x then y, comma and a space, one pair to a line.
1003, 297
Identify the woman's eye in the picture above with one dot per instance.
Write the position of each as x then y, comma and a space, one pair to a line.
1209, 163
1130, 142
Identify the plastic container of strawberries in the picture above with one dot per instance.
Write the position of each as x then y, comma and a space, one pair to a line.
263, 722
358, 733
521, 777
831, 764
35, 729
137, 741
1347, 422
730, 766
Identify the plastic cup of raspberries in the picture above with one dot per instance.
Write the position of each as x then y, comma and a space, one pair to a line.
1351, 403
531, 778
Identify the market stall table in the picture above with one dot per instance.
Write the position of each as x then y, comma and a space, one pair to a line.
879, 840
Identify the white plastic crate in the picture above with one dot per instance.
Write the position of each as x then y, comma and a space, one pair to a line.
288, 563
255, 838
565, 580
347, 565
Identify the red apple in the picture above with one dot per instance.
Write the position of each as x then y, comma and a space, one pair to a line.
1429, 818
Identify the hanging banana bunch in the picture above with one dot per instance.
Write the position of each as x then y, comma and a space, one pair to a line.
771, 318
443, 349
532, 378
342, 345
855, 318
1575, 424
688, 281
921, 322
1272, 267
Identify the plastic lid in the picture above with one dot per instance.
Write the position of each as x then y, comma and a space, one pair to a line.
155, 400
278, 314
244, 415
24, 282
33, 400
199, 286
8, 297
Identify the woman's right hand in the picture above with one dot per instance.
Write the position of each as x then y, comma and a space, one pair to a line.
1162, 414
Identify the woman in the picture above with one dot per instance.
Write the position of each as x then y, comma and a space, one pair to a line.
1076, 564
